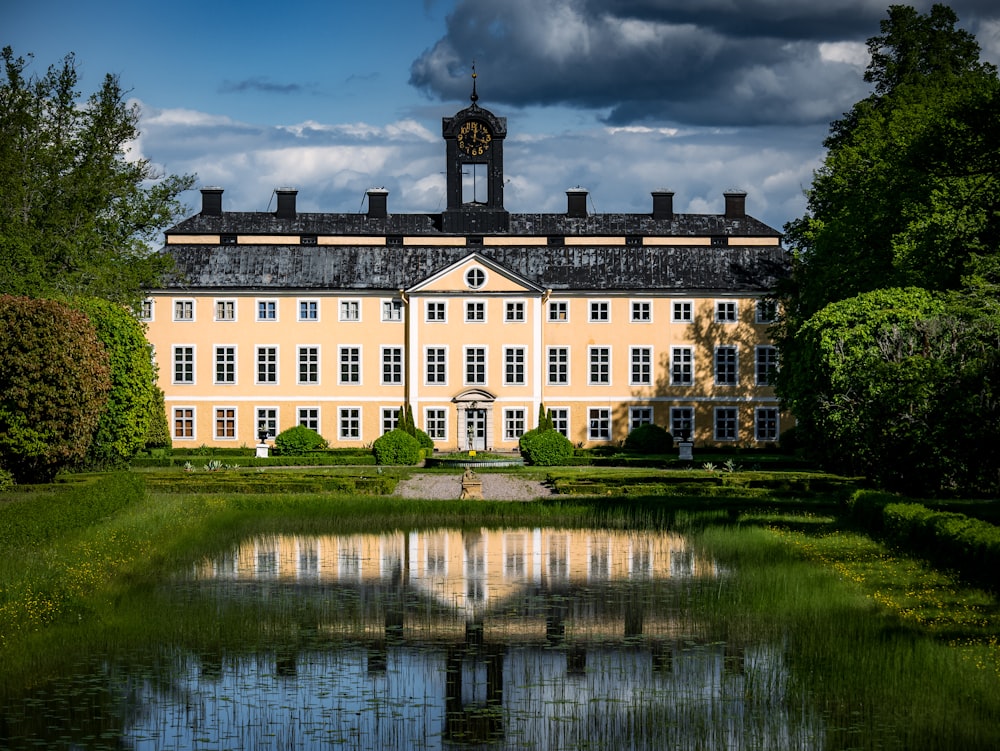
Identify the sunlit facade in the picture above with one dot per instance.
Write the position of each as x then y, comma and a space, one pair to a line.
473, 316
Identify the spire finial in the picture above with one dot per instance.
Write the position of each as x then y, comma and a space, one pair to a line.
475, 96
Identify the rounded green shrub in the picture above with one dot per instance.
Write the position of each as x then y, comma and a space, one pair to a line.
55, 379
396, 447
298, 440
649, 439
545, 448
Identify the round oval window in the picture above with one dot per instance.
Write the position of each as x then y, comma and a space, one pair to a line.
475, 278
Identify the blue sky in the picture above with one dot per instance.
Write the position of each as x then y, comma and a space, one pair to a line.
620, 96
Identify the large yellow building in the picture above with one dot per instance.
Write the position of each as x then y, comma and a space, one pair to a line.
472, 316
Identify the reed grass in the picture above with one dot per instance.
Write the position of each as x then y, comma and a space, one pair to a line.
874, 640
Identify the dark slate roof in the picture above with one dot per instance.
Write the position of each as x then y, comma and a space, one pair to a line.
608, 268
265, 223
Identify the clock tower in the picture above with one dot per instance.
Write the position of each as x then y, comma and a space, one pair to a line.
474, 148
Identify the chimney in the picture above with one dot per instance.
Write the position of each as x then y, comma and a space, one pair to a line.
576, 202
663, 204
286, 203
736, 204
211, 201
378, 203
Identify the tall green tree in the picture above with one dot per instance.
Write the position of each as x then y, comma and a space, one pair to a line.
125, 421
883, 376
906, 194
79, 208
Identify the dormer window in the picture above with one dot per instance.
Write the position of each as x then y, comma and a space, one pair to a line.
393, 239
227, 239
308, 240
720, 242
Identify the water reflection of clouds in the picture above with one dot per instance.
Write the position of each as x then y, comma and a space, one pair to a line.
406, 697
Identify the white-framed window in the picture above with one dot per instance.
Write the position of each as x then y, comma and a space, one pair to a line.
559, 311
436, 365
350, 365
681, 366
225, 310
641, 366
350, 310
475, 277
267, 418
475, 312
225, 423
766, 364
513, 311
725, 311
267, 310
436, 423
390, 419
513, 423
436, 311
392, 310
184, 423
146, 310
682, 422
560, 419
513, 366
392, 366
475, 366
642, 311
600, 365
727, 366
599, 424
558, 365
765, 424
349, 423
600, 311
267, 364
183, 310
766, 310
225, 364
682, 311
308, 417
184, 363
308, 310
639, 416
726, 424
308, 359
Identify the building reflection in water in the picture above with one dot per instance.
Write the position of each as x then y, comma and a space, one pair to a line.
544, 638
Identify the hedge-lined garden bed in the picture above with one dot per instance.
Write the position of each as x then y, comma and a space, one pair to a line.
703, 483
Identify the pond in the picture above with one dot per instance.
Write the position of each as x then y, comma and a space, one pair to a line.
496, 639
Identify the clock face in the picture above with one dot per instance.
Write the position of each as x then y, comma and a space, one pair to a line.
474, 138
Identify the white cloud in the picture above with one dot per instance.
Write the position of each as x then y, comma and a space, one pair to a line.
851, 53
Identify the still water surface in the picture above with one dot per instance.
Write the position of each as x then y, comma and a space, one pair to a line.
499, 639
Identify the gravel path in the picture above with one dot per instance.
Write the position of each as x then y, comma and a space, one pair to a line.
496, 487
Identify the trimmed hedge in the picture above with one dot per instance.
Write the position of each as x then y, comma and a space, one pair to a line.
947, 538
331, 458
243, 482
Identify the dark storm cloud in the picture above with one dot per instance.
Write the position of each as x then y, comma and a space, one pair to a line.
714, 62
